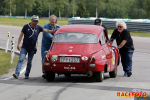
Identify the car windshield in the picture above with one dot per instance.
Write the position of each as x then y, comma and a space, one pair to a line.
76, 38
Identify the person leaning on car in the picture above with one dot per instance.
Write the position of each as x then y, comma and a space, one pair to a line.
99, 22
125, 46
47, 38
30, 32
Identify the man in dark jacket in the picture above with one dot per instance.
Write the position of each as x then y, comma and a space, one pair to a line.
99, 22
125, 45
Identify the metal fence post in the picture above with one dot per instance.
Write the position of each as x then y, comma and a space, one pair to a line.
7, 42
12, 49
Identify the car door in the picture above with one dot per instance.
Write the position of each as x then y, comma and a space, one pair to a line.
107, 49
112, 53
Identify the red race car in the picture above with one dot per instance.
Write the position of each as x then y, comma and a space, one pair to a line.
81, 49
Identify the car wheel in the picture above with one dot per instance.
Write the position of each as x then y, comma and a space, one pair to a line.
113, 74
99, 76
50, 76
67, 75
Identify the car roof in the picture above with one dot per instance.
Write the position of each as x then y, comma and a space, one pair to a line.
81, 28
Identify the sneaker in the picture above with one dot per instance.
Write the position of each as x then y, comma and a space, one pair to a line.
129, 74
15, 76
26, 77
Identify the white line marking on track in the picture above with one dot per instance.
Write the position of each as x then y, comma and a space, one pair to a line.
12, 76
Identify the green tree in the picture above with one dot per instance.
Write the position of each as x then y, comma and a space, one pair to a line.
37, 8
147, 7
94, 5
67, 10
24, 6
2, 6
9, 6
73, 7
136, 9
81, 11
60, 7
48, 7
82, 8
51, 6
115, 9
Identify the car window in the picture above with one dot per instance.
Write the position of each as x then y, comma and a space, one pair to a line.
76, 37
102, 38
105, 36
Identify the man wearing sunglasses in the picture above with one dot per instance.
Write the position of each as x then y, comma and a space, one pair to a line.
125, 46
30, 32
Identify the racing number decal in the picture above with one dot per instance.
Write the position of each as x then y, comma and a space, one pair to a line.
113, 57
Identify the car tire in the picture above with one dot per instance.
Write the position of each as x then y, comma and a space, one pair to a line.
99, 76
113, 74
67, 75
50, 76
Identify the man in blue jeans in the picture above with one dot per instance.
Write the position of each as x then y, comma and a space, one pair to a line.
125, 46
126, 60
47, 38
30, 32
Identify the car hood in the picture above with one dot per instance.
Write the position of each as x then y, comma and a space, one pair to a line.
74, 48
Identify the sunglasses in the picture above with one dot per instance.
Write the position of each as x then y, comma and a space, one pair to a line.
120, 26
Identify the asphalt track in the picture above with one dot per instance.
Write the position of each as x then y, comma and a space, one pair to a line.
77, 87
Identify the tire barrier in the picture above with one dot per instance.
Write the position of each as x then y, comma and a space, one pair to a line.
134, 26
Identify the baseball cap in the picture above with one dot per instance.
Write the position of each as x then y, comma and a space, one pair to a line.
97, 21
35, 17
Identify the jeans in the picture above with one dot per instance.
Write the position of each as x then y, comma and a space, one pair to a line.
23, 53
126, 59
44, 48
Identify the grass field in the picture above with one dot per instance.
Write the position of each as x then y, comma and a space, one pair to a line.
5, 64
21, 22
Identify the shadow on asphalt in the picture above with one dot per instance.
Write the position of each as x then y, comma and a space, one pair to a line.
65, 82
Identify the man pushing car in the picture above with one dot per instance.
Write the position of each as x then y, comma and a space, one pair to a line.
30, 32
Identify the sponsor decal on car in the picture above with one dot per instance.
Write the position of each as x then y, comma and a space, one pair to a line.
70, 50
113, 57
69, 68
71, 47
103, 56
54, 57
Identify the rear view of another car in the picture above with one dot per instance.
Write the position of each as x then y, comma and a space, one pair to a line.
69, 54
